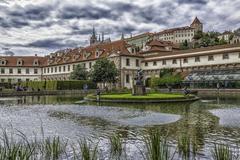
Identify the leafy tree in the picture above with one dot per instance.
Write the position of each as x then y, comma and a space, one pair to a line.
79, 73
184, 45
198, 35
166, 80
104, 71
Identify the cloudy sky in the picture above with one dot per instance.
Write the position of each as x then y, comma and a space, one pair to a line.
29, 27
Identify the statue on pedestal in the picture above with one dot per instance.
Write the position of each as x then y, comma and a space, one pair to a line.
138, 87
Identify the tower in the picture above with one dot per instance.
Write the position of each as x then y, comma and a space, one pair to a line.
122, 37
197, 25
93, 38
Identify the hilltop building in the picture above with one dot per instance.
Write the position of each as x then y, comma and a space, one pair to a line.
180, 34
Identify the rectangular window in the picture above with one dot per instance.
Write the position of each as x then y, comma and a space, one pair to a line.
164, 62
174, 61
154, 63
2, 70
9, 80
60, 69
44, 70
90, 64
55, 69
127, 62
127, 78
69, 67
51, 69
19, 80
185, 60
2, 80
19, 71
137, 63
73, 66
10, 71
210, 58
27, 80
47, 70
225, 56
197, 59
27, 70
35, 71
239, 55
64, 68
84, 65
146, 64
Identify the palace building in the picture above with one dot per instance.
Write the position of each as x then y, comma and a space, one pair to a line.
129, 54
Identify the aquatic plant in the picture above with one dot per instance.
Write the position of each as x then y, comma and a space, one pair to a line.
184, 147
157, 147
223, 152
116, 146
53, 148
11, 150
87, 151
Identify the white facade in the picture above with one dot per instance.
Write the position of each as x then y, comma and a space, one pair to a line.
18, 74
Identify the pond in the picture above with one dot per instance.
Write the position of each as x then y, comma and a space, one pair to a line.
210, 120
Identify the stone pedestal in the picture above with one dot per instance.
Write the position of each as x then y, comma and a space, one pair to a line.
138, 90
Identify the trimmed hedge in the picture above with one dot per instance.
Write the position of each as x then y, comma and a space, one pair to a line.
59, 85
6, 85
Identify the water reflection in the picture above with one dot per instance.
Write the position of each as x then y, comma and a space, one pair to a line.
203, 122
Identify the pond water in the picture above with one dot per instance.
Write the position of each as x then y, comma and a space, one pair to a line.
210, 120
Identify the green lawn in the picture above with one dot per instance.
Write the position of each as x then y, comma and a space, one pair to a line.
151, 96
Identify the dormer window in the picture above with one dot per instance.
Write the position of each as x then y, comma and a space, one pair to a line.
35, 62
19, 62
97, 54
3, 62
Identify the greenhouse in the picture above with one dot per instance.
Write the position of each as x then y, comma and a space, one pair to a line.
210, 79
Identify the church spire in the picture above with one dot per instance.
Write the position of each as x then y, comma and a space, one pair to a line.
122, 37
93, 32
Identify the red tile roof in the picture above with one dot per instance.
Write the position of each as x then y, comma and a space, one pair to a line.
28, 61
89, 53
173, 30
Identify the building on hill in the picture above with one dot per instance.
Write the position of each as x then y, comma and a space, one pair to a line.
235, 39
226, 36
180, 34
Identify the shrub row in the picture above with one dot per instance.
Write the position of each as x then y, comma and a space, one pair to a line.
6, 85
59, 85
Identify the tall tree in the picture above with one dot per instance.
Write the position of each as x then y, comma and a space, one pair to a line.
104, 71
79, 73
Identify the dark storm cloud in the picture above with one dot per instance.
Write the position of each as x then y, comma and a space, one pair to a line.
71, 23
13, 22
86, 12
18, 16
202, 2
31, 12
53, 43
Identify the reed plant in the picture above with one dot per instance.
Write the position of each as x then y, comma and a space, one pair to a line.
116, 146
223, 152
157, 147
184, 147
53, 148
87, 151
